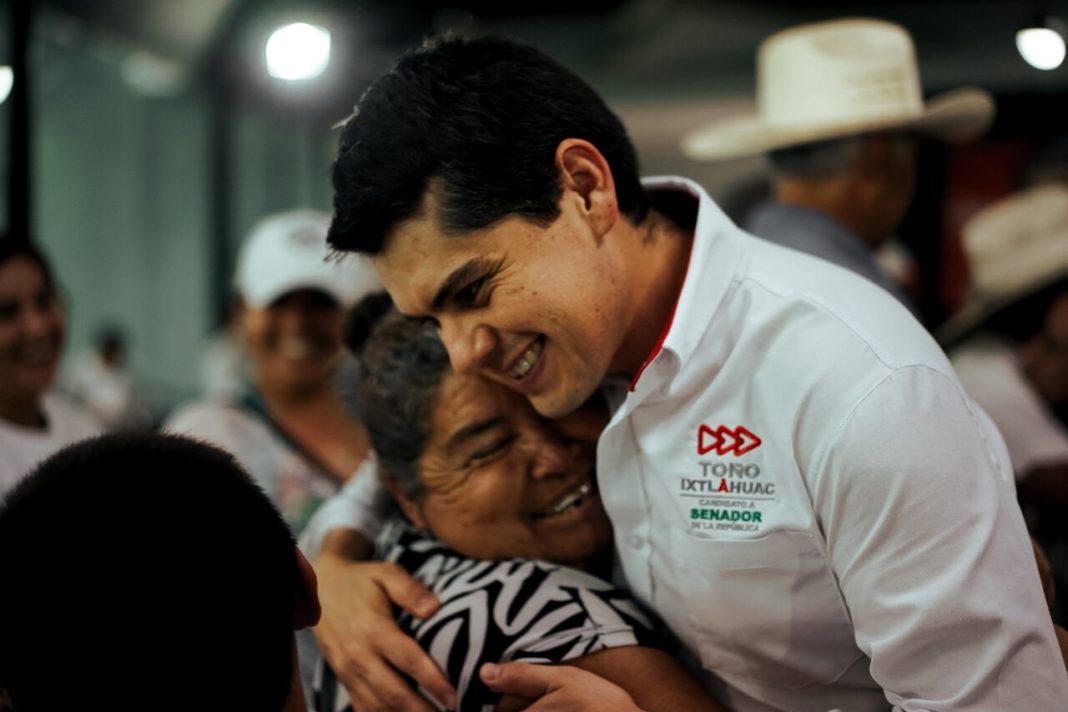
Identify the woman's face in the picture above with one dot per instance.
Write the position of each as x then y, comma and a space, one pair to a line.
501, 481
31, 330
295, 340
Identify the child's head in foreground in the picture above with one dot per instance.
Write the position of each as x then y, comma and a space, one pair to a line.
147, 571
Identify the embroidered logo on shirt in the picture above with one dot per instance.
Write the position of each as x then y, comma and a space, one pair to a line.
723, 440
726, 496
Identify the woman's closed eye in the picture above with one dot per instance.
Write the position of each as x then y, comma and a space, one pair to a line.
491, 451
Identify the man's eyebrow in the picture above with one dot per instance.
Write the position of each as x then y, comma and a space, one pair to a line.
460, 276
473, 429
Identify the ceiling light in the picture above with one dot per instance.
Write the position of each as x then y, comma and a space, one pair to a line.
298, 51
1042, 44
7, 79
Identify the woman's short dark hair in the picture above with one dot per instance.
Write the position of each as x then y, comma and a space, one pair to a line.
484, 118
403, 363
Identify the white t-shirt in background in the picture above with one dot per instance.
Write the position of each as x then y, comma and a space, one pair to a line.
22, 448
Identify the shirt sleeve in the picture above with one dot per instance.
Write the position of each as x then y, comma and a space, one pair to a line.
934, 563
361, 504
579, 615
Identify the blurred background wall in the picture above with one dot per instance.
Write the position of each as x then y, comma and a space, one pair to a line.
156, 137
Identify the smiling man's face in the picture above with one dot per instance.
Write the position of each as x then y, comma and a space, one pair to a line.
541, 310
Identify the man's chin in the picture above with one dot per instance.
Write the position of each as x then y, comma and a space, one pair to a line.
556, 404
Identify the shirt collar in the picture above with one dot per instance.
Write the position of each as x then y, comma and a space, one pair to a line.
713, 256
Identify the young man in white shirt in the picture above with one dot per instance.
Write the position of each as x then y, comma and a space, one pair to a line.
797, 483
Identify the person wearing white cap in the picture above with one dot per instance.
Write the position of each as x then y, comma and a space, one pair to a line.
288, 427
838, 107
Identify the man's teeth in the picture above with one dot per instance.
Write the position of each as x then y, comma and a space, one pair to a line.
527, 362
569, 500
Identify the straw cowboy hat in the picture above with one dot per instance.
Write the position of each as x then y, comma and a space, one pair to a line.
1015, 247
835, 79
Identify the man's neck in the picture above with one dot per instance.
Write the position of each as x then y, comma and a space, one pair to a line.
657, 263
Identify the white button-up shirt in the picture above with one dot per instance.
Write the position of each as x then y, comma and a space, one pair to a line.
800, 487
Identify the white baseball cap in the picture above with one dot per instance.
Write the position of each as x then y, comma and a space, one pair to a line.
287, 251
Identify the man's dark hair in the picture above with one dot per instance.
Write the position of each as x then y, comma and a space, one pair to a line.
483, 118
145, 571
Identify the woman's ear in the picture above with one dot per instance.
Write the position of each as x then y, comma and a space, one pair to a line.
407, 503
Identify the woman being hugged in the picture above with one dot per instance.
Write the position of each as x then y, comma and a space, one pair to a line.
503, 523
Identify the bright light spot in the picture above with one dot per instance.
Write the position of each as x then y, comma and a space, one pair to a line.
1041, 47
298, 51
7, 78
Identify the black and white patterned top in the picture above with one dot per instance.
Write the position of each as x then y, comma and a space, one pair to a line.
501, 611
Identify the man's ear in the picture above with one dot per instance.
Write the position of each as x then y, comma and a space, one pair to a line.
306, 609
406, 502
586, 174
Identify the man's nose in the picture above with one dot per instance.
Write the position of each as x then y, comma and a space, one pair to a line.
469, 345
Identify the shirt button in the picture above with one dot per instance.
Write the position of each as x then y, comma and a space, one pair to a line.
635, 541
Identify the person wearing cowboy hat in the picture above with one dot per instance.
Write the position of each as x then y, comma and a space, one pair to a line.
838, 107
1009, 342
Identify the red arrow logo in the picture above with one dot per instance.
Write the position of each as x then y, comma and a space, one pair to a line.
723, 440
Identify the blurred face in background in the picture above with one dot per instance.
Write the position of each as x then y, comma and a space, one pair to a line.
294, 341
1045, 355
31, 330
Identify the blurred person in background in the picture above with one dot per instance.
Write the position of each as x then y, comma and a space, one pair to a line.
1009, 345
840, 109
100, 379
34, 421
288, 426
